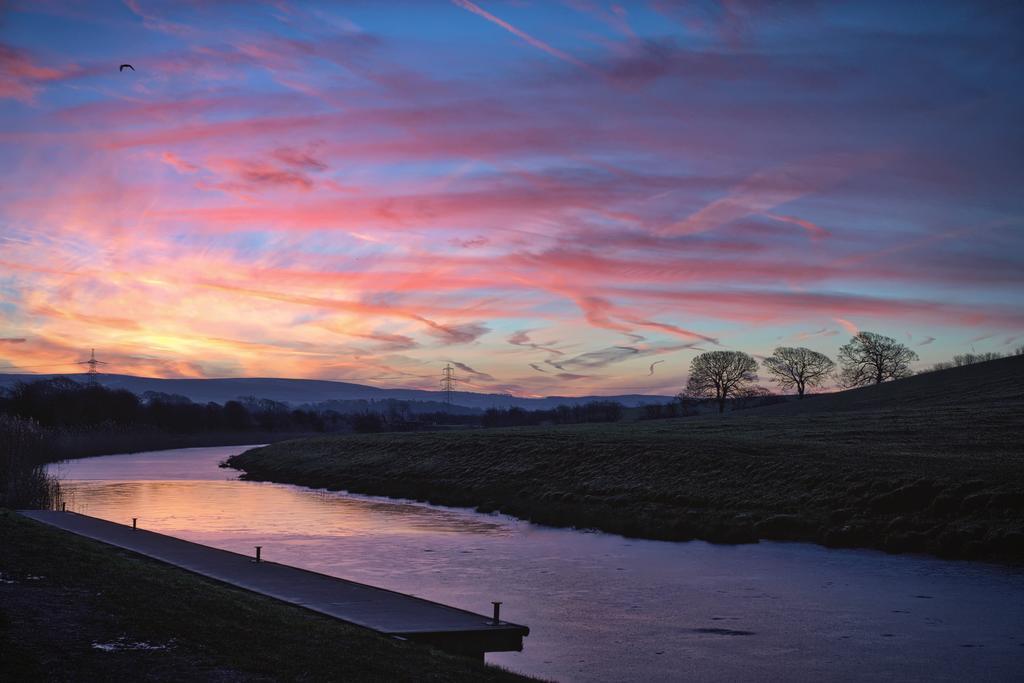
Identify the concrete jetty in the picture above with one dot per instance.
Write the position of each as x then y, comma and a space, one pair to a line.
387, 612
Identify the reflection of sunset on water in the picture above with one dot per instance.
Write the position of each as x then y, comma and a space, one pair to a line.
185, 493
197, 509
565, 583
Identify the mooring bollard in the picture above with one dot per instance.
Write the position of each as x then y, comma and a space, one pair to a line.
258, 552
135, 522
497, 612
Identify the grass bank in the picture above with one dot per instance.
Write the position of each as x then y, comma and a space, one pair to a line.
937, 469
72, 609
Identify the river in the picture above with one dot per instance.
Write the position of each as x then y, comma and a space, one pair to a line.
600, 607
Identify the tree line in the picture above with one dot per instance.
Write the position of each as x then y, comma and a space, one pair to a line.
595, 411
962, 359
62, 403
65, 405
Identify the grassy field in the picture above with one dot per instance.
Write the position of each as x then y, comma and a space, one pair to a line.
72, 609
933, 464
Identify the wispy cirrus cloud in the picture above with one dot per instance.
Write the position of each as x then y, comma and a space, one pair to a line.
821, 332
22, 76
813, 230
772, 187
290, 193
596, 359
177, 163
476, 374
539, 44
847, 325
522, 338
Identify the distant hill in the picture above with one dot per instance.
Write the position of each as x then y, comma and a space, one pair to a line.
989, 382
302, 391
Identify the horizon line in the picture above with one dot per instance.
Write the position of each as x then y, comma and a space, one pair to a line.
336, 381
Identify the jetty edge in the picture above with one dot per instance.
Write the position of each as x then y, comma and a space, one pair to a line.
75, 609
387, 612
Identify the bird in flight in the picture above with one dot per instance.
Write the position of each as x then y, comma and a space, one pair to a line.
126, 66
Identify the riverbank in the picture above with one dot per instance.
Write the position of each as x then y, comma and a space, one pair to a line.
73, 445
937, 475
74, 609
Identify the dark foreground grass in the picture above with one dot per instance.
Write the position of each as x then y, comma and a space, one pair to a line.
933, 475
61, 594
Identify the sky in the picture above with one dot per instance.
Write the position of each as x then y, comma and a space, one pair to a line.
559, 198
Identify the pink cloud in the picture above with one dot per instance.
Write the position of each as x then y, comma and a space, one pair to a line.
847, 325
177, 163
21, 77
257, 174
814, 230
341, 209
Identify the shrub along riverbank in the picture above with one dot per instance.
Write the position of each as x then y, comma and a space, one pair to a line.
935, 470
24, 482
72, 609
26, 448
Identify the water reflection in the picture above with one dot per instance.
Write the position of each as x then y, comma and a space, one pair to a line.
215, 507
600, 607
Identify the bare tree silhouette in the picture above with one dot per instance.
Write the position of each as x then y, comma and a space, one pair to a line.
871, 358
798, 368
720, 375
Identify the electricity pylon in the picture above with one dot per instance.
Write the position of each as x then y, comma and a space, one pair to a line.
92, 363
448, 382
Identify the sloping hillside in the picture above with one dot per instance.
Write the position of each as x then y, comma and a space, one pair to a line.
997, 381
930, 464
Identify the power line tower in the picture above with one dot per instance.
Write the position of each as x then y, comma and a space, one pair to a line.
92, 363
448, 382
